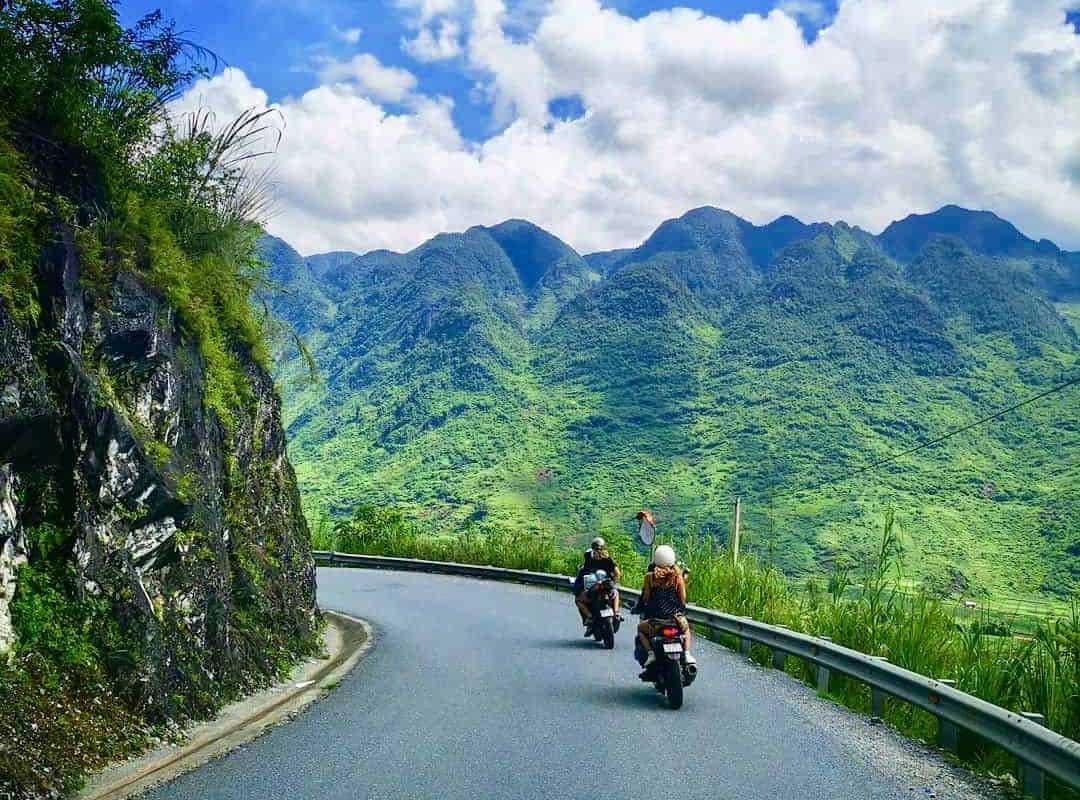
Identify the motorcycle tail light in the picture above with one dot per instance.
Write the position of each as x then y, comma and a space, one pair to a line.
670, 632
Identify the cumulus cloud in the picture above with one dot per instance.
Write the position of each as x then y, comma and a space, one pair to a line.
813, 11
371, 77
421, 12
432, 44
893, 108
350, 35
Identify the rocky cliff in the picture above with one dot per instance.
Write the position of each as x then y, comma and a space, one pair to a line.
122, 491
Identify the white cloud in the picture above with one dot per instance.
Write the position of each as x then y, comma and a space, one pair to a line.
389, 84
813, 11
350, 35
430, 45
422, 12
893, 108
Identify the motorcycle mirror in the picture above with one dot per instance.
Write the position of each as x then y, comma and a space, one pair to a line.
646, 528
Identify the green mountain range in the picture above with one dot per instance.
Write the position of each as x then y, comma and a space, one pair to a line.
498, 375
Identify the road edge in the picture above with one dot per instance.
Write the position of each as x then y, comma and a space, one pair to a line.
348, 640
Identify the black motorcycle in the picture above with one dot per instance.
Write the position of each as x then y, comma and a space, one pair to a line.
600, 598
671, 672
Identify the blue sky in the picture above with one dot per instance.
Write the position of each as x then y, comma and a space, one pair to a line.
277, 42
598, 119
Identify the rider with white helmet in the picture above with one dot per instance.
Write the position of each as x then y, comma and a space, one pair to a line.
663, 596
664, 556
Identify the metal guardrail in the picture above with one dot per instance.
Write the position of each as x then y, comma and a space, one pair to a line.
1038, 750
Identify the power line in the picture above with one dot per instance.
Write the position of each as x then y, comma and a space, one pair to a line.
701, 508
996, 415
577, 504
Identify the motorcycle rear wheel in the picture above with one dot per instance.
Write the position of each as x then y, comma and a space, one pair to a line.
606, 634
673, 684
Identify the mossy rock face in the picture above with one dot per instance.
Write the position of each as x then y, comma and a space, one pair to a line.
187, 531
12, 553
27, 414
153, 560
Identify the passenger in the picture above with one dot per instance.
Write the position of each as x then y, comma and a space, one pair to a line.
663, 596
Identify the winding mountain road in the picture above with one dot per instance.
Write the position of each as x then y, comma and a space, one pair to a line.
477, 689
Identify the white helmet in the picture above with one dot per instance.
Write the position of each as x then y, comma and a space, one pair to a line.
664, 556
598, 543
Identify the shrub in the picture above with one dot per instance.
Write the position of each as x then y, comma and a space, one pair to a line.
19, 233
68, 635
81, 94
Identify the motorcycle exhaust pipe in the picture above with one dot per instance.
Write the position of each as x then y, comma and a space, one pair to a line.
690, 671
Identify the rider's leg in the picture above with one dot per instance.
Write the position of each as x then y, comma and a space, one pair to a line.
643, 631
615, 599
685, 625
582, 608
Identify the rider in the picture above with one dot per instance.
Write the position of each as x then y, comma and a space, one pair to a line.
663, 595
596, 557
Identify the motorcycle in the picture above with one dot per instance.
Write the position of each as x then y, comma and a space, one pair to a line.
600, 590
671, 672
600, 598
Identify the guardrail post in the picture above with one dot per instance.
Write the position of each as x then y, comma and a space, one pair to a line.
948, 737
744, 643
877, 697
823, 679
823, 672
877, 703
779, 657
1032, 780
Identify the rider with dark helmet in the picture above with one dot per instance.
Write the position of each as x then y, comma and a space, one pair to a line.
597, 557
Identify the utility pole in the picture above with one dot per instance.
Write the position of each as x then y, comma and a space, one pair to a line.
735, 533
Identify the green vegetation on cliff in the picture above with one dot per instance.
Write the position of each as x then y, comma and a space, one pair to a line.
718, 359
154, 562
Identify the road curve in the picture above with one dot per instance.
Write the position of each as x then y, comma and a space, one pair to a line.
477, 689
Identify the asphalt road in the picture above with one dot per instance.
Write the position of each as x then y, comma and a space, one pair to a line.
477, 689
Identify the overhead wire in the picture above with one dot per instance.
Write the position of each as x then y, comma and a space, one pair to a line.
771, 497
930, 443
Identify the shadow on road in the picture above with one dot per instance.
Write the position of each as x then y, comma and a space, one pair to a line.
634, 695
380, 589
568, 644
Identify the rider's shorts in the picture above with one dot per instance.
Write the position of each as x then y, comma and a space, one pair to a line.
656, 624
580, 594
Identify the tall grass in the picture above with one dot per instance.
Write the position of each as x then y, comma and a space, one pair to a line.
859, 608
385, 532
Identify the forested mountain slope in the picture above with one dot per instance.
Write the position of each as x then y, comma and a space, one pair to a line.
497, 374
